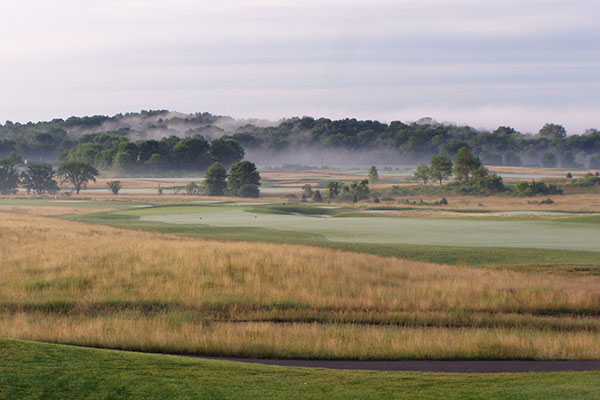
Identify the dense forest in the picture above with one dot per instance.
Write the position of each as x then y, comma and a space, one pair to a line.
159, 141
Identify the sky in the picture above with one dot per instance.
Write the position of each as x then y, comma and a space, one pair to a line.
483, 63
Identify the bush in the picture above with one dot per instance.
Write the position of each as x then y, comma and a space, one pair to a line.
588, 180
546, 201
534, 188
249, 190
114, 186
490, 183
317, 196
192, 188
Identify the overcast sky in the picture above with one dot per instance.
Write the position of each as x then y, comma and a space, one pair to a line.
485, 63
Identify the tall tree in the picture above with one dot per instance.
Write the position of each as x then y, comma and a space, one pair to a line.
242, 174
308, 190
466, 163
192, 153
441, 168
214, 181
553, 131
422, 173
373, 176
360, 190
226, 151
77, 173
39, 177
9, 176
334, 188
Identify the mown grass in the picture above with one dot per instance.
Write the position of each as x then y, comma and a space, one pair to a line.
94, 285
45, 371
470, 256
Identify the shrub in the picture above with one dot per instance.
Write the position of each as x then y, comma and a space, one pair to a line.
317, 196
534, 188
192, 188
114, 186
588, 180
249, 190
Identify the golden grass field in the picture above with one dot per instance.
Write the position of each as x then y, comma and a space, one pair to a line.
75, 283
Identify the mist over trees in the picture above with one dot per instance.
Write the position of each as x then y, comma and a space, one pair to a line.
116, 153
159, 141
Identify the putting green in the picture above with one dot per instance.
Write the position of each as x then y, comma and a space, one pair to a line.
535, 234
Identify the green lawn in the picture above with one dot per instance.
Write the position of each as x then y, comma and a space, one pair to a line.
442, 240
30, 370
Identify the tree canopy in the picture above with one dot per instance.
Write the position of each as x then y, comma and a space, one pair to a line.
441, 168
240, 175
466, 164
9, 176
422, 173
215, 180
77, 173
373, 175
39, 177
227, 151
153, 135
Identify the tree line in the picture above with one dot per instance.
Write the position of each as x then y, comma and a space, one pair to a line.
468, 170
108, 142
41, 178
242, 180
115, 153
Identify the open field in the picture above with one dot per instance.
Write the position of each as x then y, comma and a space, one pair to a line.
71, 283
419, 231
528, 239
35, 370
370, 288
279, 183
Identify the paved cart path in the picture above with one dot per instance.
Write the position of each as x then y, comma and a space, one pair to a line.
469, 366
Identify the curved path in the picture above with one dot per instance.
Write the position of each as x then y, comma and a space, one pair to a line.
468, 366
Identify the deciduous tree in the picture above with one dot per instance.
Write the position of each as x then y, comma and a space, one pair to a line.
441, 168
215, 180
9, 176
77, 173
422, 173
466, 163
226, 151
39, 177
241, 174
373, 176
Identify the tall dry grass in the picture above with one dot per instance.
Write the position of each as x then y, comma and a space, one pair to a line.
71, 282
295, 340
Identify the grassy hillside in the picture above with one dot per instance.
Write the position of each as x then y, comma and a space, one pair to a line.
76, 283
44, 371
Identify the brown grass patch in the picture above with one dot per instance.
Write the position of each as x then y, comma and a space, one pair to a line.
100, 285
